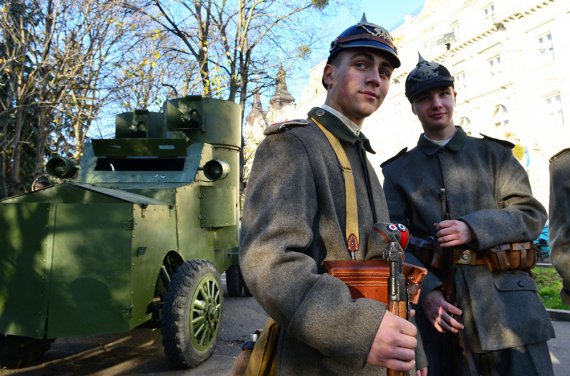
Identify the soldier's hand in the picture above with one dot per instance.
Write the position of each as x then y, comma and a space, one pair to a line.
394, 344
451, 233
441, 313
422, 372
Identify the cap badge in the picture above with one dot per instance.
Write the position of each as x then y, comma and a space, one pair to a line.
375, 30
424, 72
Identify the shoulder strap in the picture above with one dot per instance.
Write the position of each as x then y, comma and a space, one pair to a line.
506, 143
352, 236
280, 127
558, 154
400, 153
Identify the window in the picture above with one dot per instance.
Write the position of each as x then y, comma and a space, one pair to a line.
495, 66
546, 48
460, 81
489, 11
455, 28
501, 120
454, 35
554, 110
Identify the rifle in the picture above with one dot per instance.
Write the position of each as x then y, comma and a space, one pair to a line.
448, 270
446, 255
397, 288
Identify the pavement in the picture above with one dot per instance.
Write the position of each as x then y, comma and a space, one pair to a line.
560, 348
140, 352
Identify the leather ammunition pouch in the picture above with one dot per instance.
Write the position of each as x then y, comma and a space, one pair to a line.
511, 256
369, 278
504, 257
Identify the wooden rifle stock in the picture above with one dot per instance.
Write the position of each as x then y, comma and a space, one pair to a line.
397, 289
399, 309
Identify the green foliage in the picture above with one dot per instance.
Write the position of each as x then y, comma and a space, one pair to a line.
320, 4
303, 51
549, 285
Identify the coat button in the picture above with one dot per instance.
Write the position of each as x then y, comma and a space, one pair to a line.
320, 112
520, 283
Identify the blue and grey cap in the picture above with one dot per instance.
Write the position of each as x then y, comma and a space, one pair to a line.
425, 76
366, 35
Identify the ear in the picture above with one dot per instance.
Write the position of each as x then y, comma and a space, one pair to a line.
413, 109
328, 74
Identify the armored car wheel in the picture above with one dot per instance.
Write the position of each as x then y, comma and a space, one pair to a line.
17, 352
192, 314
246, 291
234, 281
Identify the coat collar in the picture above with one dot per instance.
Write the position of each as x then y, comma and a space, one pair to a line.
339, 129
455, 144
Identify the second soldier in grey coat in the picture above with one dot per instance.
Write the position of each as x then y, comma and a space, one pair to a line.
461, 196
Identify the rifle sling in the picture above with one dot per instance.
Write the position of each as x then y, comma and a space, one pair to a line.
352, 235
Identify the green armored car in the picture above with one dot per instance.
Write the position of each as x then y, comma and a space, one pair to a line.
141, 230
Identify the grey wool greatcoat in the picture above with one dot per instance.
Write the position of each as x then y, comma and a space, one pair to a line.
294, 218
559, 214
488, 189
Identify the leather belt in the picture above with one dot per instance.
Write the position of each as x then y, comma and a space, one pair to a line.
503, 257
468, 257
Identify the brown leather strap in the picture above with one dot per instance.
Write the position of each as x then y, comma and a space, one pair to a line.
352, 235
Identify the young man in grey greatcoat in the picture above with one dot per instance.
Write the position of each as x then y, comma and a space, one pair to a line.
294, 218
460, 196
559, 219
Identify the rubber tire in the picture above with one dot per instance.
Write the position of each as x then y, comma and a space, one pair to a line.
234, 281
246, 291
18, 352
192, 314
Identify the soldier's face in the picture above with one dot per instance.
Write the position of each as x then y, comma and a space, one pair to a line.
357, 82
434, 109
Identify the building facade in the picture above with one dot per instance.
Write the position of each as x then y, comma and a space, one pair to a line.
281, 107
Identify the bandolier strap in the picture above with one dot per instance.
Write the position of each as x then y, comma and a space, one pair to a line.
352, 235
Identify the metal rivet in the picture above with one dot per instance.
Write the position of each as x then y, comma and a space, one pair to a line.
520, 283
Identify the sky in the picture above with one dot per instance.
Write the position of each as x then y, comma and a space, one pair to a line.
388, 13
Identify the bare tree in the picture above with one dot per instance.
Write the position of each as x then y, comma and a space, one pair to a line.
233, 41
54, 58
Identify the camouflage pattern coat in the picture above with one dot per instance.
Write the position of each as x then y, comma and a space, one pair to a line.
559, 214
488, 189
294, 218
